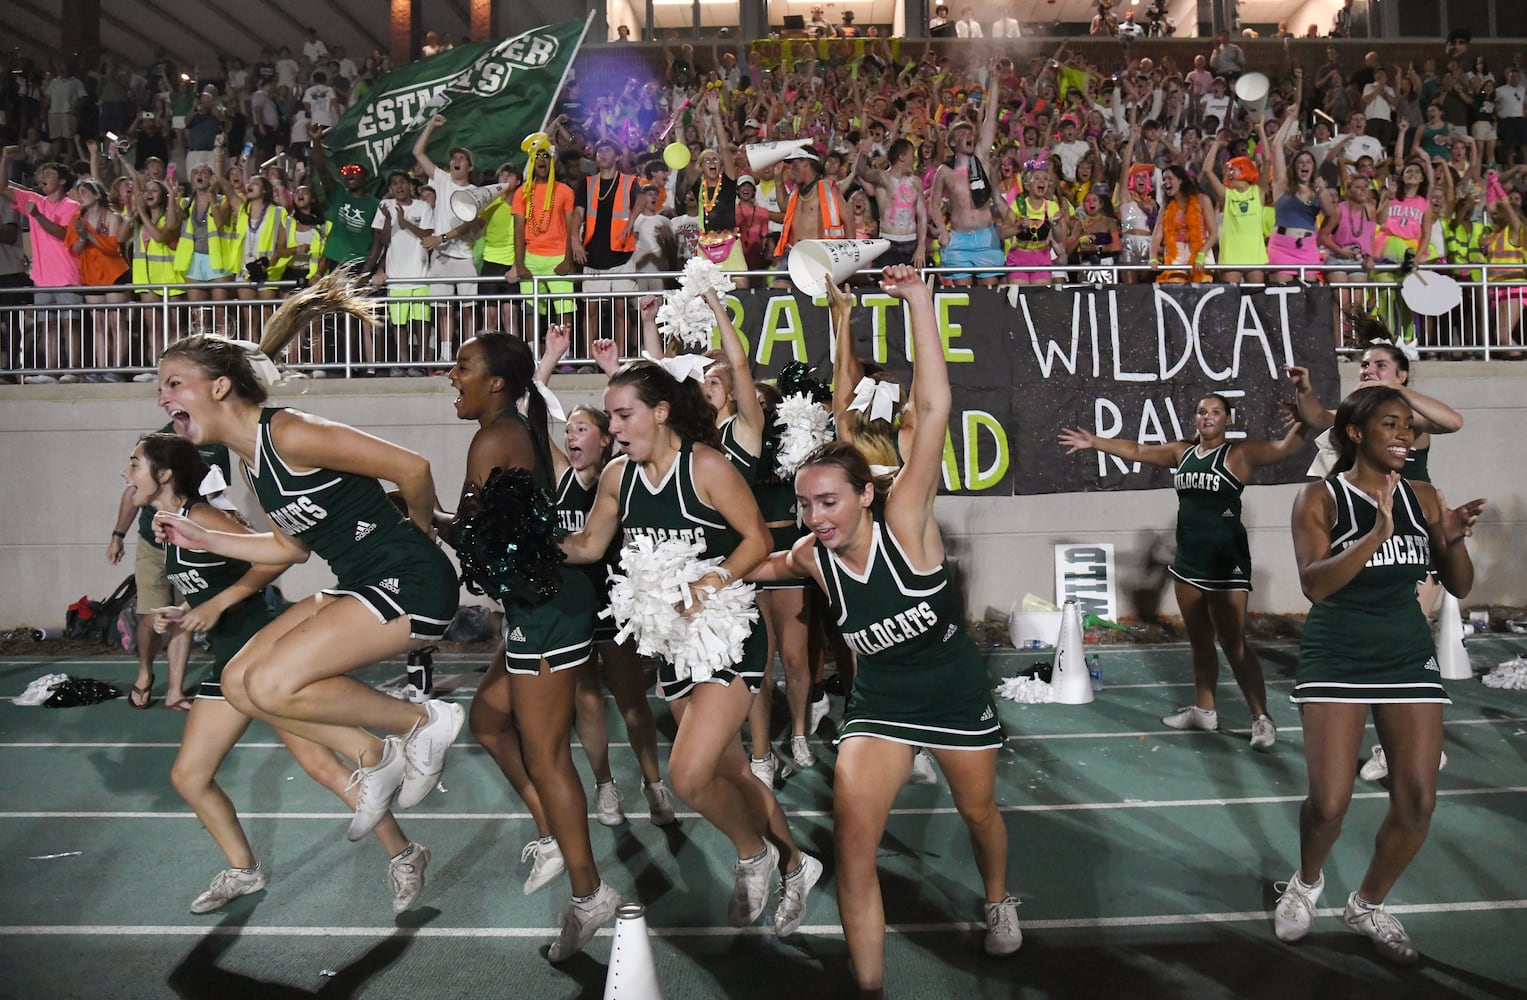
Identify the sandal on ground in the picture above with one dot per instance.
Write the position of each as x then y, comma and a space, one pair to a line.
145, 692
183, 705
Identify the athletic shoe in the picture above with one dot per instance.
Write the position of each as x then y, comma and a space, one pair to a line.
816, 712
548, 862
379, 785
751, 890
230, 884
112, 377
405, 876
69, 378
1388, 937
424, 749
146, 377
607, 808
800, 752
660, 803
1003, 935
922, 769
1193, 717
794, 890
1295, 911
409, 693
771, 768
49, 379
1377, 766
580, 920
1263, 733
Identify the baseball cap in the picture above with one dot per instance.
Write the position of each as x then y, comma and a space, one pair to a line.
803, 154
746, 179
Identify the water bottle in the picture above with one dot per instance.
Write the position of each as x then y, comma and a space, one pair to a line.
1036, 644
248, 150
1095, 672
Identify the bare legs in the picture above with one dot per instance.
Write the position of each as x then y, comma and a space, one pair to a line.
1220, 614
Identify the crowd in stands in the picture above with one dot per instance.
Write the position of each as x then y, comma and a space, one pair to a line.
1010, 170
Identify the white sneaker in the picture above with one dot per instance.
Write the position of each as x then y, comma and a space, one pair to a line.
379, 785
69, 378
408, 693
816, 713
800, 753
424, 750
229, 884
1263, 733
146, 377
607, 804
1381, 927
794, 889
405, 876
660, 803
922, 769
762, 768
750, 893
580, 921
548, 863
1193, 717
1376, 768
1295, 911
1003, 935
46, 379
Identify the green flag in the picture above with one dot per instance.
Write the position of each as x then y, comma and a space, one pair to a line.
492, 95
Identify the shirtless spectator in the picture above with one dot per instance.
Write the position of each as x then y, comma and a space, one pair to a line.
898, 194
970, 238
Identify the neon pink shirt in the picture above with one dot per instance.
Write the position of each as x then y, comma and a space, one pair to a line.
1403, 219
53, 266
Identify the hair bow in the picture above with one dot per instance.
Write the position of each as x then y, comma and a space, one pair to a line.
1405, 347
215, 489
264, 368
682, 366
879, 398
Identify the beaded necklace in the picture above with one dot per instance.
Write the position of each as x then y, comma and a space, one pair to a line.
537, 223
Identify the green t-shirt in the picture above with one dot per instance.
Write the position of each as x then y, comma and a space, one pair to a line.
350, 232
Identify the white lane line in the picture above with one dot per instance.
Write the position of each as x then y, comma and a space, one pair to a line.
821, 930
473, 747
1255, 800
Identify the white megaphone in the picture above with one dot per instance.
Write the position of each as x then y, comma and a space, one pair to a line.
766, 154
1070, 682
468, 202
811, 259
1252, 90
633, 973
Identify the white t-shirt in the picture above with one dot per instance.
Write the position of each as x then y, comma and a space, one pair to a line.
64, 95
300, 123
406, 256
237, 78
1071, 153
445, 220
1376, 107
648, 229
314, 50
323, 104
1509, 100
286, 73
1217, 108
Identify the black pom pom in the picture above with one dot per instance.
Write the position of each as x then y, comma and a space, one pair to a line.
78, 691
797, 378
506, 540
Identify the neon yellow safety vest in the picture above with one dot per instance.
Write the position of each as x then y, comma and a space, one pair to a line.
315, 249
222, 244
154, 262
265, 239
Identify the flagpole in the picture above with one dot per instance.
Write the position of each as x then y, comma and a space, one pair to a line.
562, 83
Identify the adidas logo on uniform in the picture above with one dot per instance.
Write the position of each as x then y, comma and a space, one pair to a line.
988, 715
363, 528
949, 632
516, 635
390, 585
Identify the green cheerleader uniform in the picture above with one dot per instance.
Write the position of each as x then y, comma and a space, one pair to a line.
1369, 643
377, 555
573, 505
673, 509
735, 453
200, 576
920, 679
1212, 550
561, 630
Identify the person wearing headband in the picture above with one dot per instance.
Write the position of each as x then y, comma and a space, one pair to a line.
224, 598
318, 481
545, 226
816, 208
675, 481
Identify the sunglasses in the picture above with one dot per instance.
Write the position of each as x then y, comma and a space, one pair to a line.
352, 170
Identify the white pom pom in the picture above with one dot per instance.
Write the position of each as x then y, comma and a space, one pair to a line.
1510, 675
1028, 690
645, 601
806, 424
684, 314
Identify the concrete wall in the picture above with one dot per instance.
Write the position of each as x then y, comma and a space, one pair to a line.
62, 448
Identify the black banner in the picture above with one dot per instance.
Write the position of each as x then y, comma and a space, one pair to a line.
1123, 361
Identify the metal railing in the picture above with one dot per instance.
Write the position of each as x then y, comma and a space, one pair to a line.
100, 340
